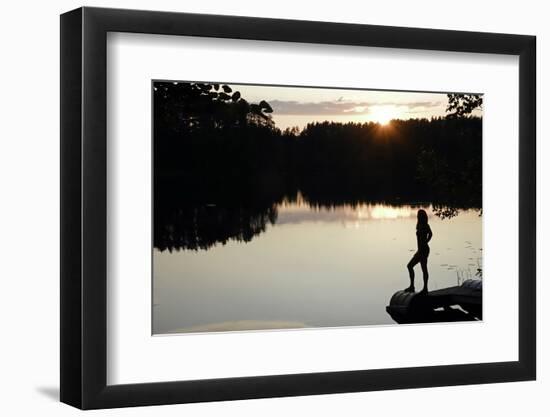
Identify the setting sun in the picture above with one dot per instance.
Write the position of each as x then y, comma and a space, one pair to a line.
383, 114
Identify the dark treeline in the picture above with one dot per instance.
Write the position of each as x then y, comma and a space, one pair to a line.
221, 165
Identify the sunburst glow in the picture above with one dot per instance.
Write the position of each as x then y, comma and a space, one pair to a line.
383, 114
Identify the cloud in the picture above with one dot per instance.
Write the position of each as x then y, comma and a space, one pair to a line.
341, 107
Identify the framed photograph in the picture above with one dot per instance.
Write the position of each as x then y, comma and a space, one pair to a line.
257, 208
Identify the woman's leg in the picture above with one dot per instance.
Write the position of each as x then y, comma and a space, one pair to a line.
424, 266
410, 266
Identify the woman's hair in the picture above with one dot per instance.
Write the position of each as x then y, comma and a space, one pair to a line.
422, 217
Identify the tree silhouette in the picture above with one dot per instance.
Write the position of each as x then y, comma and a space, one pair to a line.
186, 107
461, 105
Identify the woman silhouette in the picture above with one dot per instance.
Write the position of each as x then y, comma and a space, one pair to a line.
423, 236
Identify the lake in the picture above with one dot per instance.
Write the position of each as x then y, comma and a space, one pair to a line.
310, 267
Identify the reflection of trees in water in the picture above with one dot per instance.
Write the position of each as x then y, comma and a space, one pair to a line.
448, 211
201, 227
199, 212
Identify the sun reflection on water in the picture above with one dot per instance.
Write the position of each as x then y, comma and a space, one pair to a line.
350, 215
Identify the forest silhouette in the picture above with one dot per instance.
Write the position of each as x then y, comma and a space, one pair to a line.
221, 165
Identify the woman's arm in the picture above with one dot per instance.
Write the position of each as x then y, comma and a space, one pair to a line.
430, 234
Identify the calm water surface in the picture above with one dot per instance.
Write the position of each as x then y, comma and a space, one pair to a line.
312, 268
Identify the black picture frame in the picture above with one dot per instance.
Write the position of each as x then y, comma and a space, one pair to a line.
84, 207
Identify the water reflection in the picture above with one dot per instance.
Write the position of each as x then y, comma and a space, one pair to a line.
183, 226
295, 264
201, 227
348, 214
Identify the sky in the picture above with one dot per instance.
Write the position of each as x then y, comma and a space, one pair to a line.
297, 106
